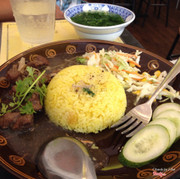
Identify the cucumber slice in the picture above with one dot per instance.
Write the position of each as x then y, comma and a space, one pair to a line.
173, 116
145, 146
169, 125
165, 107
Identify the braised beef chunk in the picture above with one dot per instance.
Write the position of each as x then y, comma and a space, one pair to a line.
23, 122
15, 120
38, 62
13, 90
13, 74
9, 119
47, 78
35, 99
27, 75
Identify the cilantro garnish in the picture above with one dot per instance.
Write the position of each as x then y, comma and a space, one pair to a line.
88, 91
24, 90
27, 108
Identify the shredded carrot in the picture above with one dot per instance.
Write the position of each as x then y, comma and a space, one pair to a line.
126, 54
115, 66
95, 54
150, 82
137, 79
131, 72
107, 64
114, 59
114, 69
133, 62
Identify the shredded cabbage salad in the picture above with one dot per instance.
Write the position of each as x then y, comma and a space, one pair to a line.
126, 68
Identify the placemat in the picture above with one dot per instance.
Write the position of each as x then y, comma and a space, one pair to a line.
11, 43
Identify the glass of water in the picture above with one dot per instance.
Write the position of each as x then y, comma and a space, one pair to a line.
35, 19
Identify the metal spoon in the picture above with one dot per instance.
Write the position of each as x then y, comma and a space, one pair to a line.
66, 158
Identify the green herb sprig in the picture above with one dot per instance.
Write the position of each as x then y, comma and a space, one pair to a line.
24, 90
88, 91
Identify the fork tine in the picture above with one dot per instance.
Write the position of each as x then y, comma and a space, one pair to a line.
133, 126
129, 122
136, 130
122, 120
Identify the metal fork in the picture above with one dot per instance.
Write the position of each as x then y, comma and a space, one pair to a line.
139, 116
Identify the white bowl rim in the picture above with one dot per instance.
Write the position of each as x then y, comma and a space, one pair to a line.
100, 27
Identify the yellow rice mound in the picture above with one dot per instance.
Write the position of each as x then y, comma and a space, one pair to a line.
85, 99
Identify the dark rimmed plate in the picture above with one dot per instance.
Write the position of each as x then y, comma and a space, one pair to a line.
18, 150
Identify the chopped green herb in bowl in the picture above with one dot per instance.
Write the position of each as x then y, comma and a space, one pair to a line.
98, 18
